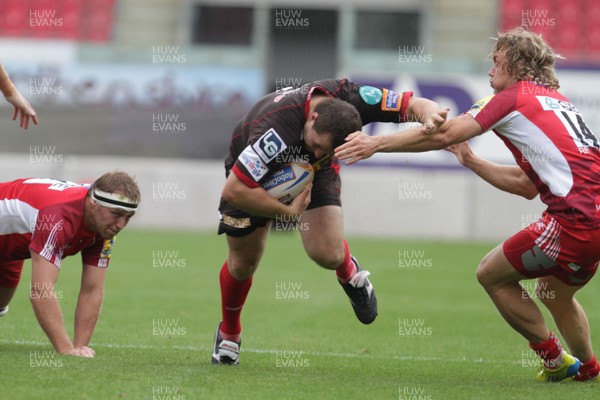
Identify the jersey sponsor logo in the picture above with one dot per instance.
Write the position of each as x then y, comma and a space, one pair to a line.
477, 107
269, 146
391, 101
370, 95
253, 163
107, 248
283, 175
239, 223
550, 103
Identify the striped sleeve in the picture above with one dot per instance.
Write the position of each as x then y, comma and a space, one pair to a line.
48, 241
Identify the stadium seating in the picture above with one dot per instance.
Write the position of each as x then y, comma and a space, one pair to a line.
82, 20
569, 26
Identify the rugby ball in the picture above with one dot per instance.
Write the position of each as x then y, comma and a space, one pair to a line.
289, 181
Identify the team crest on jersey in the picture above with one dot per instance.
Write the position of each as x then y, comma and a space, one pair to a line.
477, 107
108, 248
370, 95
269, 146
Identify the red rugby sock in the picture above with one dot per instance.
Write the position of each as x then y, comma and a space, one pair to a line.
549, 351
588, 370
233, 297
347, 268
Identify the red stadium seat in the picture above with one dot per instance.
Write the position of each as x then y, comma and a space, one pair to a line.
71, 12
570, 12
510, 14
542, 5
14, 16
593, 41
66, 19
569, 42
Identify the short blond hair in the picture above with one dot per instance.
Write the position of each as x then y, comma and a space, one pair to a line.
117, 180
528, 57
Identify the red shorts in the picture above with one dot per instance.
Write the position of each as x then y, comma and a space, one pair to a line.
546, 248
10, 273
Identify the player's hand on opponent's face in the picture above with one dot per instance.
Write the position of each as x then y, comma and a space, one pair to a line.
299, 204
82, 351
23, 107
358, 146
434, 122
462, 151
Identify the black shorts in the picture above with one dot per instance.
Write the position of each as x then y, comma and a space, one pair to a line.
325, 192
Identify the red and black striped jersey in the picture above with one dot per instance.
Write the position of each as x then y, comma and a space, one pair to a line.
270, 134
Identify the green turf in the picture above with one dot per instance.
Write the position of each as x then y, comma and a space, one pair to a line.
437, 336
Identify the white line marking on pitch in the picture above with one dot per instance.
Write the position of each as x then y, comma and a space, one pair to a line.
270, 351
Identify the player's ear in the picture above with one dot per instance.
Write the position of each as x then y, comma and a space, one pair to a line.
92, 203
313, 116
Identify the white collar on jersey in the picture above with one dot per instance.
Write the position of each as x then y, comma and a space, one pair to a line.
114, 200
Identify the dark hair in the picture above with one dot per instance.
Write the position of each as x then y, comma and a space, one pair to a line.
338, 118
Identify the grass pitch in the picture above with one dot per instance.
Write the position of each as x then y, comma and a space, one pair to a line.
437, 336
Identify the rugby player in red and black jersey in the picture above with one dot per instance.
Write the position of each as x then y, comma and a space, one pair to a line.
305, 123
47, 220
558, 157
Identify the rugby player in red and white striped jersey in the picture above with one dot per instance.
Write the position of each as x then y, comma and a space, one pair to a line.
47, 220
558, 157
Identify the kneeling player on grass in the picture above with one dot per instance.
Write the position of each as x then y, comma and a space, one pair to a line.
559, 158
306, 124
47, 220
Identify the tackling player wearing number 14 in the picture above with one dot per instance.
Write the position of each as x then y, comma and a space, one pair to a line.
558, 157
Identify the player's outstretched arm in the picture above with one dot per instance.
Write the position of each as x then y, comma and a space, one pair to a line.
14, 97
46, 307
509, 178
358, 146
89, 304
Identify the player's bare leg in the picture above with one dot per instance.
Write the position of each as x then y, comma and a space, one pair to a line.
571, 320
245, 252
322, 235
501, 281
568, 315
236, 279
323, 239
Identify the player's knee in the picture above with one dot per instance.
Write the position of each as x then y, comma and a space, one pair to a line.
484, 276
242, 269
326, 257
